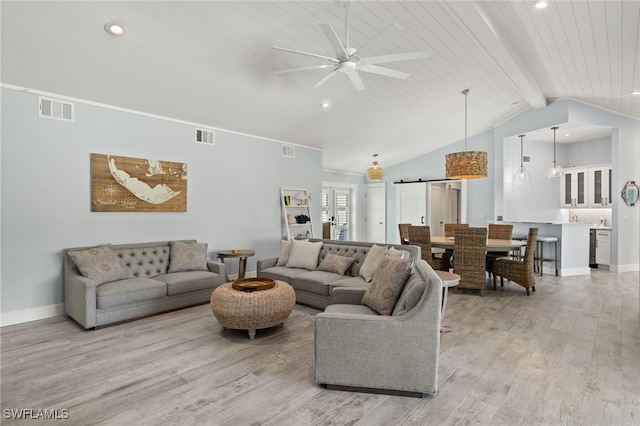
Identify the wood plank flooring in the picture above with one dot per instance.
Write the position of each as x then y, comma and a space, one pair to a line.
567, 355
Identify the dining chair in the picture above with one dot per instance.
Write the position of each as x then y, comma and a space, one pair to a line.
404, 232
470, 248
497, 231
421, 236
519, 271
450, 228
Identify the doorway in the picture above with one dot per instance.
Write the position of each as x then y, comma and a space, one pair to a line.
445, 203
338, 221
375, 196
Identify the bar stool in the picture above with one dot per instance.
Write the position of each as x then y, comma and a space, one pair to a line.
540, 259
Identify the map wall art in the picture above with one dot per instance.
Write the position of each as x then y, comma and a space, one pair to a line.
126, 184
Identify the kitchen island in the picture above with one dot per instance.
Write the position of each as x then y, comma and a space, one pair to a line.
573, 244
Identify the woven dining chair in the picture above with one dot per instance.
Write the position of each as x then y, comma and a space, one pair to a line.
421, 236
519, 271
470, 248
450, 228
498, 231
404, 232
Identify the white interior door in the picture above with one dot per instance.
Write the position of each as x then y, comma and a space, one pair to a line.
411, 203
376, 212
439, 208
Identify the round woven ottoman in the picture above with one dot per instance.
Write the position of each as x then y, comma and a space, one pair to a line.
253, 310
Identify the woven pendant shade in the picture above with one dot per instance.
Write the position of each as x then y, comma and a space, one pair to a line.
375, 172
466, 165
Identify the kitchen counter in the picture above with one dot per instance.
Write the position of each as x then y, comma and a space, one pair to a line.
573, 244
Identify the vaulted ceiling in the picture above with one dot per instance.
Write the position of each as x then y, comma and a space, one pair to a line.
211, 62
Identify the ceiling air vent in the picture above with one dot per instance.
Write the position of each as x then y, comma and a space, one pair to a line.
206, 136
289, 151
56, 109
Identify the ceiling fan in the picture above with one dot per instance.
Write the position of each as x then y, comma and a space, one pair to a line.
350, 60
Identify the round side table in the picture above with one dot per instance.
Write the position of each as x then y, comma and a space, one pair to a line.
242, 254
449, 279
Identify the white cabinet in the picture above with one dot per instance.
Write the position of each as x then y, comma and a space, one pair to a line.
603, 247
296, 213
599, 184
574, 188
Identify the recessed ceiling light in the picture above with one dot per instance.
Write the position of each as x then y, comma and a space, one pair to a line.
324, 105
540, 4
114, 29
566, 135
635, 92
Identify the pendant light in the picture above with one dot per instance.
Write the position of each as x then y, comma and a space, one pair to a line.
521, 174
375, 172
555, 171
466, 164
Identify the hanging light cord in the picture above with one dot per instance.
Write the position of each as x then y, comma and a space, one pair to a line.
465, 92
554, 144
521, 151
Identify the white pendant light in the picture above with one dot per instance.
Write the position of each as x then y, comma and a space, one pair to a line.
555, 171
466, 164
521, 174
375, 172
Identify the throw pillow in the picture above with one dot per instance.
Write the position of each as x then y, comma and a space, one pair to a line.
99, 264
387, 284
304, 254
336, 263
188, 257
371, 261
395, 253
285, 249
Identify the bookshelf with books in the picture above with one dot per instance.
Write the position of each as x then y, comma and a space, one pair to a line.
296, 213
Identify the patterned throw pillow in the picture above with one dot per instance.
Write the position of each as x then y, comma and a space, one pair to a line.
99, 264
387, 284
336, 263
188, 257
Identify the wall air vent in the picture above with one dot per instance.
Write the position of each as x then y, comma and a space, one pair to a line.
56, 109
207, 137
289, 151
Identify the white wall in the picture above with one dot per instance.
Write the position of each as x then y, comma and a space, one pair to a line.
233, 198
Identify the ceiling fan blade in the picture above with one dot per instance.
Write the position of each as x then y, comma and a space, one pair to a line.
313, 67
284, 49
325, 78
356, 80
383, 36
331, 35
395, 57
388, 72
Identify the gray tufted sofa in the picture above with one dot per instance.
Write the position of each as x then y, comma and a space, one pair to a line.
151, 289
316, 288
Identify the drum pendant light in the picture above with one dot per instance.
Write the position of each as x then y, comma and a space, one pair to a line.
466, 164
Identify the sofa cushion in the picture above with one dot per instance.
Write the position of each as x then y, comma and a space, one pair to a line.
100, 264
129, 291
304, 254
350, 309
353, 282
185, 282
188, 257
371, 262
387, 284
281, 273
335, 263
359, 253
314, 282
413, 290
146, 261
285, 249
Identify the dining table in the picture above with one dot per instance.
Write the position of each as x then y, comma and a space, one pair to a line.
492, 244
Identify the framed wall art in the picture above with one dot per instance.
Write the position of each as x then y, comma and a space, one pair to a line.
126, 184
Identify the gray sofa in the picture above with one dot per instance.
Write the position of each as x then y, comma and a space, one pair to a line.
315, 288
148, 288
356, 347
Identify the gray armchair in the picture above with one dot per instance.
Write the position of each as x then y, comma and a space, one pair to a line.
357, 348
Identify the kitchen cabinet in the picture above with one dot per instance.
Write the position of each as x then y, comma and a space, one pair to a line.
599, 184
603, 246
574, 188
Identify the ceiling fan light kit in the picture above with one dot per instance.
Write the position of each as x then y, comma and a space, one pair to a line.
466, 164
350, 61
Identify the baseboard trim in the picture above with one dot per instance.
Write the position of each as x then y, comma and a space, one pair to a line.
624, 268
570, 272
31, 314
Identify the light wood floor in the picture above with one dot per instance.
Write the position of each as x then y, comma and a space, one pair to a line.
567, 355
